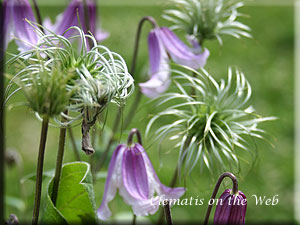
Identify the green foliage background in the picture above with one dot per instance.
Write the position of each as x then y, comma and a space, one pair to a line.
266, 60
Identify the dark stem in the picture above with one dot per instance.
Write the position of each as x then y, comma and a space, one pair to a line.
59, 161
2, 125
132, 71
193, 91
133, 66
167, 212
174, 178
137, 40
87, 21
133, 132
76, 152
214, 194
39, 171
38, 14
134, 219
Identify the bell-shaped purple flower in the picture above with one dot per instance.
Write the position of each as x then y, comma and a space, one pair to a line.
161, 43
131, 172
70, 17
231, 209
159, 67
15, 25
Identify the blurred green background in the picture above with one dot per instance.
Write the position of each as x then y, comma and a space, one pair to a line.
267, 61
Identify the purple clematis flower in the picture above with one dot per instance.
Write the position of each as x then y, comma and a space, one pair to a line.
231, 209
159, 67
15, 25
161, 42
70, 17
131, 172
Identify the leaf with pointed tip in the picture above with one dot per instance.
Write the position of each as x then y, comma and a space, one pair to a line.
75, 202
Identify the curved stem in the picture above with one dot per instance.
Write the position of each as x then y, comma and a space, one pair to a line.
133, 65
59, 161
39, 171
213, 196
137, 40
133, 132
132, 71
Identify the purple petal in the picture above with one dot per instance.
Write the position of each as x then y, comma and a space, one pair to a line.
7, 30
68, 18
180, 52
112, 183
163, 191
159, 68
135, 189
134, 174
101, 35
233, 212
24, 32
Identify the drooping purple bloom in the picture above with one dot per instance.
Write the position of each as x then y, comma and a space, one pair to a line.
131, 172
159, 67
231, 209
15, 25
161, 42
70, 17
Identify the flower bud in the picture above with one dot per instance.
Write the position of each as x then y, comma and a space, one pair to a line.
231, 209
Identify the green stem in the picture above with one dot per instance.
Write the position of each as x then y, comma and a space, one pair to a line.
59, 162
39, 171
214, 194
76, 152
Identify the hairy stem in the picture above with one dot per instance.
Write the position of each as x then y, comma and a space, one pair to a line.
39, 171
214, 194
75, 149
59, 161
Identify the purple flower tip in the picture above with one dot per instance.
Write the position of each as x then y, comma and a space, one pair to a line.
15, 25
231, 209
131, 172
161, 42
70, 17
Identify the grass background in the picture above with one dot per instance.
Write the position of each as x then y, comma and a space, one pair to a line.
267, 61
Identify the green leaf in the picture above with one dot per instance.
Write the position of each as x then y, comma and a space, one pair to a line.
75, 202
